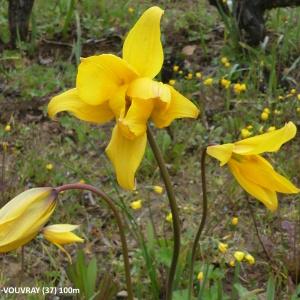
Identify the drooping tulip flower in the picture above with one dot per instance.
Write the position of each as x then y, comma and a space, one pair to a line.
254, 173
109, 87
61, 234
22, 218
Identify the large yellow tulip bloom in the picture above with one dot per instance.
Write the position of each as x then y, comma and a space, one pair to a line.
23, 217
109, 87
252, 171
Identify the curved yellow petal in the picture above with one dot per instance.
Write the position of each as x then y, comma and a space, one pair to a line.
258, 170
99, 76
117, 102
126, 156
267, 142
134, 123
142, 47
179, 107
146, 88
70, 101
221, 152
266, 196
61, 234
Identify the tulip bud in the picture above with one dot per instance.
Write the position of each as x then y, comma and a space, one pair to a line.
23, 217
61, 234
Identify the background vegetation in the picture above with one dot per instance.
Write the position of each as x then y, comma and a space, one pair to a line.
39, 152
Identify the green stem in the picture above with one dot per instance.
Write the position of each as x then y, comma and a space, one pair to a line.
202, 223
112, 206
174, 210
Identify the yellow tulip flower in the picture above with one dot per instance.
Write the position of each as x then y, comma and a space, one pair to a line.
251, 170
109, 87
61, 234
23, 217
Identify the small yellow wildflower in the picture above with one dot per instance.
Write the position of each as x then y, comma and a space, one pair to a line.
298, 96
239, 88
180, 72
277, 112
172, 82
49, 167
7, 128
234, 221
158, 189
131, 10
225, 83
198, 75
223, 247
200, 276
82, 181
264, 116
280, 97
189, 76
293, 91
224, 60
271, 128
169, 217
208, 81
245, 133
227, 65
175, 68
250, 259
298, 109
267, 110
239, 255
135, 205
232, 263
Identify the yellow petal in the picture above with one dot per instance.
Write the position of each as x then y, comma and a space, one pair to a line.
126, 156
221, 152
134, 124
118, 101
70, 101
146, 88
258, 170
61, 234
99, 77
142, 48
266, 196
18, 205
179, 107
22, 217
267, 142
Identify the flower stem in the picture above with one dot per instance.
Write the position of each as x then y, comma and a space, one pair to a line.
257, 231
202, 223
174, 210
112, 206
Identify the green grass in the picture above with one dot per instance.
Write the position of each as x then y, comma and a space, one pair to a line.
43, 67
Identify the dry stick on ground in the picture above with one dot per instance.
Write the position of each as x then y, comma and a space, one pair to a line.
250, 15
